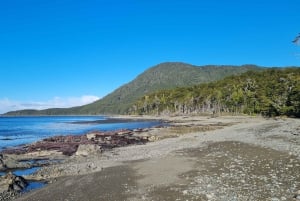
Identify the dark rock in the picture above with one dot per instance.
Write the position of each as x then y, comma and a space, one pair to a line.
15, 183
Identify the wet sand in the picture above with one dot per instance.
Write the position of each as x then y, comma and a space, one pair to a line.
245, 158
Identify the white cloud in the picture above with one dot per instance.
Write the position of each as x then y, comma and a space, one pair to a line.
56, 102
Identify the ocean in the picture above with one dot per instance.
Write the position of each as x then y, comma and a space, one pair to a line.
16, 131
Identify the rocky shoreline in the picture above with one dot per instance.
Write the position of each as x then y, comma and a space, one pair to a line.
68, 145
195, 158
57, 149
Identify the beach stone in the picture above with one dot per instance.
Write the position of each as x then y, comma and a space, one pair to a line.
209, 196
297, 195
88, 149
153, 138
91, 136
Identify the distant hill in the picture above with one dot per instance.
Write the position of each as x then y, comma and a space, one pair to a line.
163, 76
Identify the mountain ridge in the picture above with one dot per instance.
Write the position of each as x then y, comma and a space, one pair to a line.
165, 75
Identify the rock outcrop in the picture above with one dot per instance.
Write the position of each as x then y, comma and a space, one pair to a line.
68, 145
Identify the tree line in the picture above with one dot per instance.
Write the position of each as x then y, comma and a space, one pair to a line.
272, 92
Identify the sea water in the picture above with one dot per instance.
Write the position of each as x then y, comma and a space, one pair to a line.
15, 131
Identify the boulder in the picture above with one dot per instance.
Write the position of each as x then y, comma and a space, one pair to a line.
13, 183
88, 149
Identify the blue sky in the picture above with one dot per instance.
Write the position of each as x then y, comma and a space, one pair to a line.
70, 52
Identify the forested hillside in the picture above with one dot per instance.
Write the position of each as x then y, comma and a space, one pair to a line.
272, 92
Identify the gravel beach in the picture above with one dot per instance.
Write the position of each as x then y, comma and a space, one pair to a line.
197, 158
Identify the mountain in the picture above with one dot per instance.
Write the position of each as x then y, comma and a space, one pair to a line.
163, 76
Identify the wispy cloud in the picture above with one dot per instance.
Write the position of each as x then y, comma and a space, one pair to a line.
56, 102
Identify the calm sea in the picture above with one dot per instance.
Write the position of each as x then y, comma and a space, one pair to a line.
16, 131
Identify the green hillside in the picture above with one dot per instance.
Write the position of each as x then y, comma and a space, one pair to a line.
163, 76
271, 92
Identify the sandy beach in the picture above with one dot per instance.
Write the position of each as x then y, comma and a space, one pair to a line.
196, 158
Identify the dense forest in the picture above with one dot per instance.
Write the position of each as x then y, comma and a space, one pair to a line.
272, 92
